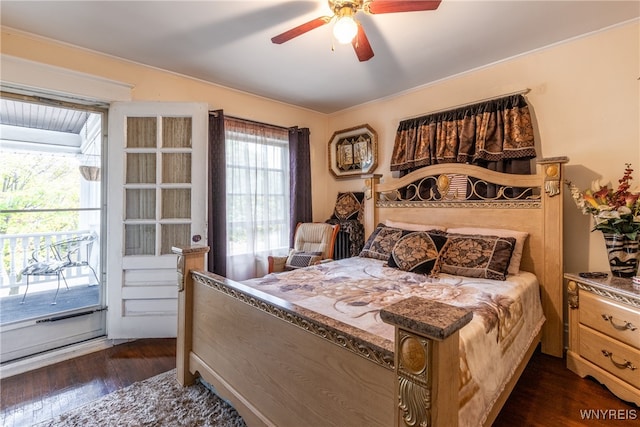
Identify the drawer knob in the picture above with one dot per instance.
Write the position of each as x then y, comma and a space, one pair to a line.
626, 326
625, 365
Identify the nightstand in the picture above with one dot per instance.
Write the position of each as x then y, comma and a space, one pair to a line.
604, 333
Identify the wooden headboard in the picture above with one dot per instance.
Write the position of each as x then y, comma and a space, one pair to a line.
436, 195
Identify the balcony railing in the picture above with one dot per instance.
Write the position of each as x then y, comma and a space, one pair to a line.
17, 250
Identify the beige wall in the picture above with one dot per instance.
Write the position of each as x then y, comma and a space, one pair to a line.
585, 104
584, 99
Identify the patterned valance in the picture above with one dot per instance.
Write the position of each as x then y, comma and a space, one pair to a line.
491, 131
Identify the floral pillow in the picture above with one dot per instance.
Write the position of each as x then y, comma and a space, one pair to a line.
417, 251
520, 236
349, 206
381, 242
475, 256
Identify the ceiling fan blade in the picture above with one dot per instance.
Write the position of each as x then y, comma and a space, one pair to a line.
361, 45
301, 29
393, 6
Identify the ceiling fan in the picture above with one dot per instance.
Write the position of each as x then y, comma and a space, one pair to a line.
347, 29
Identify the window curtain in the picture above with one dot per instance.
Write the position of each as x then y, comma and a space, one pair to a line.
496, 134
300, 173
257, 196
216, 203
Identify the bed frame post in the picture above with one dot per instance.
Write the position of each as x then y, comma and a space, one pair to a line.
426, 361
189, 258
370, 195
552, 278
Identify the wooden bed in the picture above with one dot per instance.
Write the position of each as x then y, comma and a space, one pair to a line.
282, 365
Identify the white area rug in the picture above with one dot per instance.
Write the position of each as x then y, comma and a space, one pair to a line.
157, 401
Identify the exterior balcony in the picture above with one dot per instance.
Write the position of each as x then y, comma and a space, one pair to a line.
70, 286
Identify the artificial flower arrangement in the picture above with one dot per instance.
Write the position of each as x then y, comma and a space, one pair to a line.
614, 211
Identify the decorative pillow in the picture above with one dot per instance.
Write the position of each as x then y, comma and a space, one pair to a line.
413, 226
475, 256
298, 259
349, 206
417, 251
381, 242
520, 236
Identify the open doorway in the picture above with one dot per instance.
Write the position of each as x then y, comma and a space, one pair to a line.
51, 224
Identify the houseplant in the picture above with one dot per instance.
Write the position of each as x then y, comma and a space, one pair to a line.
617, 215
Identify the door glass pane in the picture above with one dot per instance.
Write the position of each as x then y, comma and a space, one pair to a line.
141, 132
141, 168
176, 168
176, 203
140, 204
176, 132
174, 235
140, 239
157, 161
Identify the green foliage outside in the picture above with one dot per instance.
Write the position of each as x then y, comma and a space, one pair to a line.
37, 181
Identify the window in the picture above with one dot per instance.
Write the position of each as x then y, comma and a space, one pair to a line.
257, 176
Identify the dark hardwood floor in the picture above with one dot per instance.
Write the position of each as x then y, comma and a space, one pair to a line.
547, 394
41, 394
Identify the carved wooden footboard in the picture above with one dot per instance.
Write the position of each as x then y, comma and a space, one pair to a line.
281, 365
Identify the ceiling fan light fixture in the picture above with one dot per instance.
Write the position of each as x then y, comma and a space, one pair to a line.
345, 28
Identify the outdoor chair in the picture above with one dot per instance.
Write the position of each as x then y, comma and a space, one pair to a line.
54, 259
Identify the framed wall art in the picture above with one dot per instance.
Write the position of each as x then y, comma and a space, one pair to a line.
353, 152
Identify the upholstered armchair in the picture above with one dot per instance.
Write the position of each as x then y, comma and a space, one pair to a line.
313, 243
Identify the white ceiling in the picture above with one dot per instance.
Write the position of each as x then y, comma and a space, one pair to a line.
228, 42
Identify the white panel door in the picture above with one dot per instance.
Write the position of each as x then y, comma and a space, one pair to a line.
156, 200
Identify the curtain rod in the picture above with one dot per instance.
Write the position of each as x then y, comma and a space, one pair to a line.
258, 123
455, 107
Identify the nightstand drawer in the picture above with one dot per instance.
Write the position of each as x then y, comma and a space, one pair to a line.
620, 360
610, 318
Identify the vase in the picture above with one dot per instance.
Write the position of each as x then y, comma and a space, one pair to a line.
623, 254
